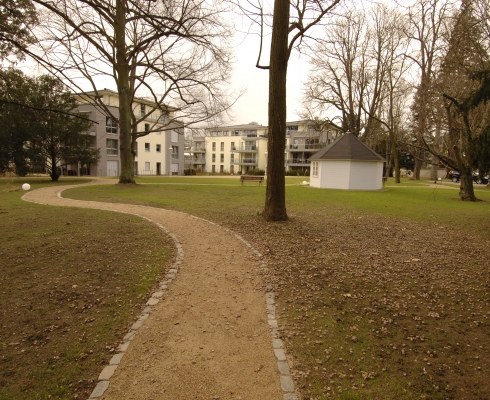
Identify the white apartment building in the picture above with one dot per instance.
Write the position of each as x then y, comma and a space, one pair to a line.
159, 153
237, 149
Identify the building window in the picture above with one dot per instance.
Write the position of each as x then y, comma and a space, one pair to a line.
136, 149
112, 147
147, 166
292, 128
237, 133
222, 146
314, 168
221, 168
159, 148
143, 110
147, 128
110, 126
175, 152
214, 146
174, 137
147, 146
222, 158
213, 158
232, 158
233, 146
213, 169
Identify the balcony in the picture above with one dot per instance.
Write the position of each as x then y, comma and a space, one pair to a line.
305, 147
244, 149
198, 160
198, 149
297, 161
245, 161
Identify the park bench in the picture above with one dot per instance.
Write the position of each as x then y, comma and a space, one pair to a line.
258, 178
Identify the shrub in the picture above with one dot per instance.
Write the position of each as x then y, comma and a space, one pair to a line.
256, 172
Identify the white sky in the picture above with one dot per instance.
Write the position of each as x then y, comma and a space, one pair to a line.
252, 106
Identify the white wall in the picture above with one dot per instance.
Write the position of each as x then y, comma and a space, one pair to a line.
366, 175
346, 174
334, 174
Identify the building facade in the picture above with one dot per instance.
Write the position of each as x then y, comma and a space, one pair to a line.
160, 152
237, 149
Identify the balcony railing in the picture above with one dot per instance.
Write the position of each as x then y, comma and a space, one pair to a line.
244, 148
302, 147
244, 161
297, 161
198, 149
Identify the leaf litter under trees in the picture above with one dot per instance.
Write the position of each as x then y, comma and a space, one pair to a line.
371, 307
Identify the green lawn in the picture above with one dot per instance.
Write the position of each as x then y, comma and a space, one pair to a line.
203, 196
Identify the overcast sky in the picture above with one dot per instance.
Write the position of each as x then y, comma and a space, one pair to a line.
252, 106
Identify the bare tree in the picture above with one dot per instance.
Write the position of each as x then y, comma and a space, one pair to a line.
427, 22
392, 66
464, 86
338, 77
291, 24
170, 52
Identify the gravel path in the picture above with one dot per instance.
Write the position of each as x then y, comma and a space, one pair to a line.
209, 330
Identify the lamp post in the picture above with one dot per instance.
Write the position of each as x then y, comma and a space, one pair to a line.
265, 163
170, 161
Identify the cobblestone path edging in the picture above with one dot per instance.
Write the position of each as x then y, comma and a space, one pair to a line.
286, 381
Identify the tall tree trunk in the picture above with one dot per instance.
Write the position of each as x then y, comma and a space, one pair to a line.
396, 161
466, 191
54, 170
275, 201
394, 156
126, 174
421, 122
435, 160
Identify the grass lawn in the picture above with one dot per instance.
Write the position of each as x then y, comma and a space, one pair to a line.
70, 286
382, 295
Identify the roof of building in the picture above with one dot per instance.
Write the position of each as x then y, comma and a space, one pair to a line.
101, 92
347, 147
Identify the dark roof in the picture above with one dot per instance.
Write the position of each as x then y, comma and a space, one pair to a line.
347, 147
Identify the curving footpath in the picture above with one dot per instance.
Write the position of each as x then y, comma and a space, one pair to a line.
207, 331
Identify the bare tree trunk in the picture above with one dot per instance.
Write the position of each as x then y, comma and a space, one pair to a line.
275, 203
394, 157
396, 161
54, 170
435, 160
466, 191
126, 174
